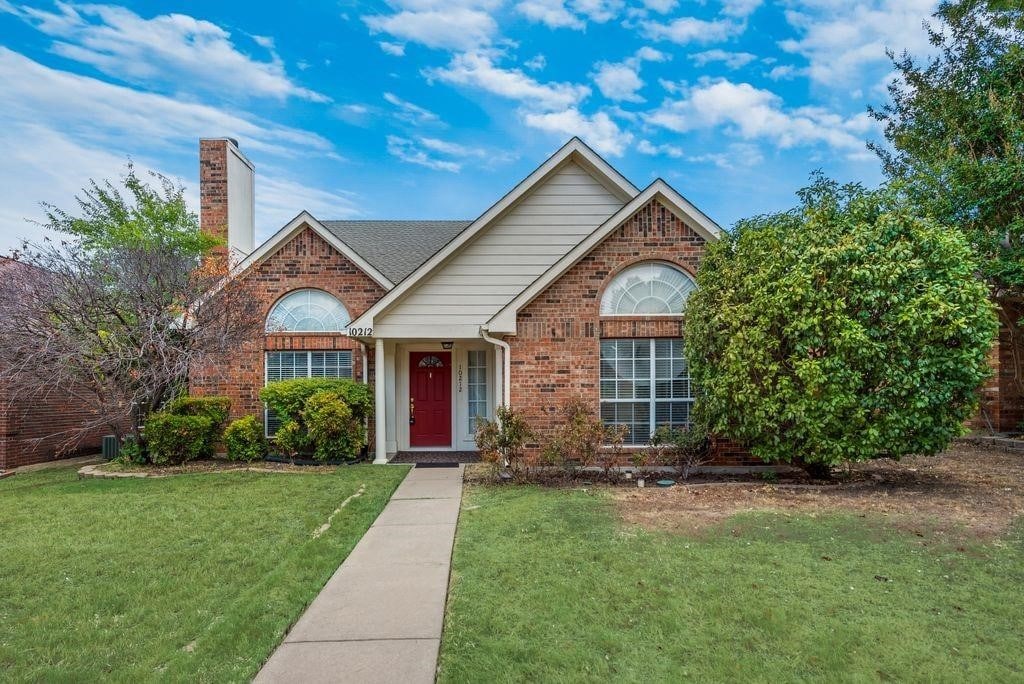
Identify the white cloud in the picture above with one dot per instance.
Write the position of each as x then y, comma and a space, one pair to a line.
408, 151
569, 13
783, 72
684, 30
649, 148
536, 63
755, 114
660, 6
451, 25
840, 39
173, 51
599, 131
411, 113
396, 49
621, 81
733, 60
478, 70
91, 110
740, 8
552, 13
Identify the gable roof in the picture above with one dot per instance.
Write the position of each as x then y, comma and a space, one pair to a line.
575, 150
293, 228
396, 248
504, 322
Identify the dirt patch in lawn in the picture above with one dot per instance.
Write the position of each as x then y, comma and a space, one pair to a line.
970, 490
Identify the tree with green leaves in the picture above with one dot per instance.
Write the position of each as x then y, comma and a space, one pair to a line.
117, 311
955, 128
846, 329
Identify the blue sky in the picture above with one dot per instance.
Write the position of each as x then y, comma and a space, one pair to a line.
435, 108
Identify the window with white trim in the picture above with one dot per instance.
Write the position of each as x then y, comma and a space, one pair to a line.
652, 287
645, 383
308, 311
476, 386
288, 365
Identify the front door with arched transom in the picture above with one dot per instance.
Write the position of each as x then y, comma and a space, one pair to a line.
430, 399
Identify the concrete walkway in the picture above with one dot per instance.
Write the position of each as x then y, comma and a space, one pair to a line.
379, 617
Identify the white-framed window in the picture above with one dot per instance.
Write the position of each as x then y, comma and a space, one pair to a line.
288, 365
476, 386
308, 311
645, 383
652, 287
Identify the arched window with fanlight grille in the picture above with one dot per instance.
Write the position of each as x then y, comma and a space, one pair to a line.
649, 288
308, 310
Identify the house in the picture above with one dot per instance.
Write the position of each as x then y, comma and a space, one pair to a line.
36, 429
570, 285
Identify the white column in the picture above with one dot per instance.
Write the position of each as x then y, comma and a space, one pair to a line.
379, 404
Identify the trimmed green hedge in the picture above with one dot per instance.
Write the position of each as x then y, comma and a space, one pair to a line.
172, 439
320, 417
244, 440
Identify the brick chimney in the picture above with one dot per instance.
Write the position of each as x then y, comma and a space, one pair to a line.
227, 197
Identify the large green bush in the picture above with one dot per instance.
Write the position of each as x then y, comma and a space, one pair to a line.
320, 417
244, 440
217, 409
172, 439
845, 329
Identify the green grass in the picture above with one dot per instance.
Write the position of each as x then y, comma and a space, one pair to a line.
186, 578
547, 586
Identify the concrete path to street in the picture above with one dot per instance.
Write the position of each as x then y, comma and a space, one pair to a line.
379, 617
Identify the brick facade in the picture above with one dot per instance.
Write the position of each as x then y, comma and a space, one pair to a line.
33, 431
1002, 399
305, 261
556, 351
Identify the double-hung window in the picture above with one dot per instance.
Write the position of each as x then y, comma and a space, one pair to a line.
288, 365
645, 383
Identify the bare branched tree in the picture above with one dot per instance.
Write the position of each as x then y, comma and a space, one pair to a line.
116, 316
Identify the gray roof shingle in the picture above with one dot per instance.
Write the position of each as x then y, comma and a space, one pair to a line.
396, 248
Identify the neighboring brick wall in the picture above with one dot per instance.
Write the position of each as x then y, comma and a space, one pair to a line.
556, 351
33, 431
1002, 401
305, 261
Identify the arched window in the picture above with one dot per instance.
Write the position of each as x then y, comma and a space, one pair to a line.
308, 311
648, 288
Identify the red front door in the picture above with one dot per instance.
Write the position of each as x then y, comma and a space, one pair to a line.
430, 399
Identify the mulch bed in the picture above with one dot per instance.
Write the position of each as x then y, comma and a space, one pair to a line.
969, 490
212, 466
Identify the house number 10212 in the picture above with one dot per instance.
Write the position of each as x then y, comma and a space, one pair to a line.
360, 332
459, 384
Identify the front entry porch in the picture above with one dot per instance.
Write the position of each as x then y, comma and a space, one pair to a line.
432, 393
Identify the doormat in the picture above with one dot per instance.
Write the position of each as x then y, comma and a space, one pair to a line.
442, 464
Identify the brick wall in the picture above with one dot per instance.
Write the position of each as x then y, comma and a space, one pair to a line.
33, 431
213, 193
556, 351
1002, 401
305, 261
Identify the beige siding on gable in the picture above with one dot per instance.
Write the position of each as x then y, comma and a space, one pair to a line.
510, 254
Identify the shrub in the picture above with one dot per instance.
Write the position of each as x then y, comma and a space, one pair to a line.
846, 329
172, 439
332, 427
287, 398
320, 417
217, 409
682, 448
610, 454
503, 441
132, 451
244, 440
577, 440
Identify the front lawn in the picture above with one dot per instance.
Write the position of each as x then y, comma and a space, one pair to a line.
186, 578
548, 585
